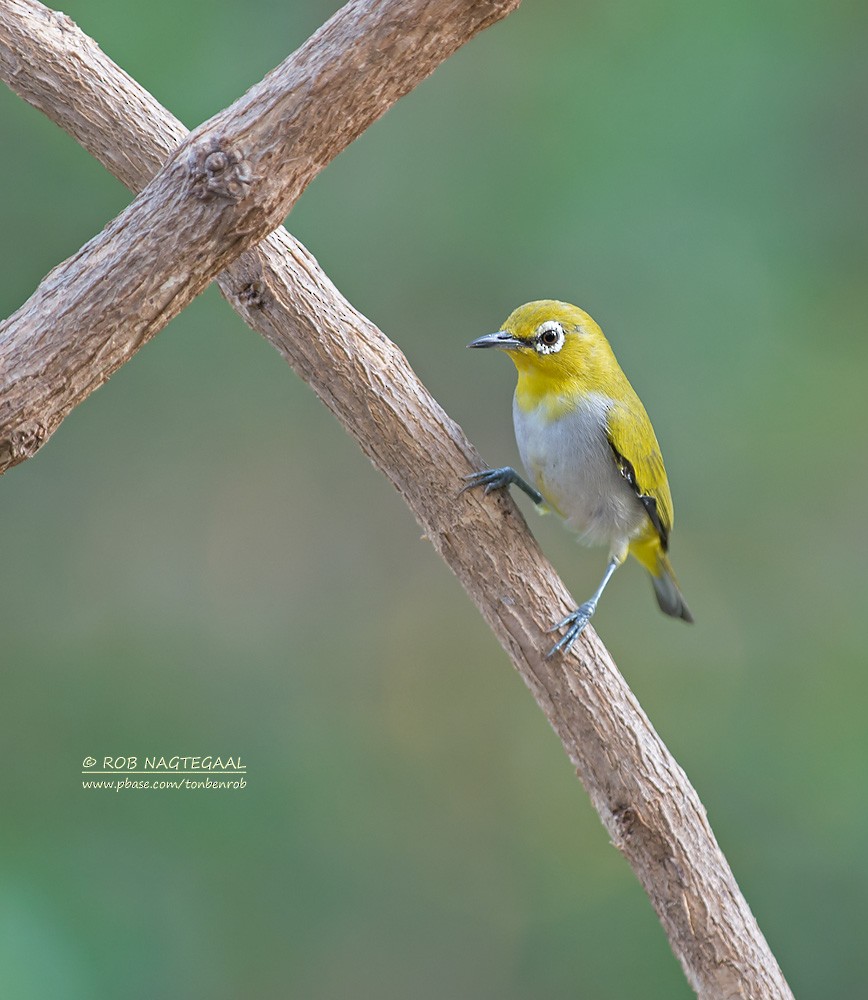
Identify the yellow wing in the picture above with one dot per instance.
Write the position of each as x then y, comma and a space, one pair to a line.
637, 453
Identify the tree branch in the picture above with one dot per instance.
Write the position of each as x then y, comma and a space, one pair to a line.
645, 801
229, 184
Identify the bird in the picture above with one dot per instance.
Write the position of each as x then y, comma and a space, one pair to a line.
589, 448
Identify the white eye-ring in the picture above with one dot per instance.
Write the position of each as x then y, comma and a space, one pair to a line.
549, 337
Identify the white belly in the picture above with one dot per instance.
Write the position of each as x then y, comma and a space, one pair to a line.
571, 463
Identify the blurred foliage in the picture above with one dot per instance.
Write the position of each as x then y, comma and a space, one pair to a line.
200, 561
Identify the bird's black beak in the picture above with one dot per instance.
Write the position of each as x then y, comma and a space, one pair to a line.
501, 339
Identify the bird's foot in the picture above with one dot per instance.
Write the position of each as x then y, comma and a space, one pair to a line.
574, 623
491, 479
499, 479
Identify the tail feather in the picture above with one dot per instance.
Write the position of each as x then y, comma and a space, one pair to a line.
666, 589
651, 555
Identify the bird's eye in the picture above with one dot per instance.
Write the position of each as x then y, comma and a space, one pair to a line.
550, 337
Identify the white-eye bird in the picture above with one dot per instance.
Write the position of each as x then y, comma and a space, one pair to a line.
587, 443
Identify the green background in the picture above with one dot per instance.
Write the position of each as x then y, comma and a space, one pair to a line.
200, 561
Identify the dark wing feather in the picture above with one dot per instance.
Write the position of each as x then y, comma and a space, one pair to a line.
637, 454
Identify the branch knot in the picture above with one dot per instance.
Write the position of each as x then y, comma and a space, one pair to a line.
23, 442
253, 294
217, 170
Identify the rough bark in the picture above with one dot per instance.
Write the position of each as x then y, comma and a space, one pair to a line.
651, 811
229, 184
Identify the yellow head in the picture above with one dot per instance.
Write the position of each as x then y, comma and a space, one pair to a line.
557, 348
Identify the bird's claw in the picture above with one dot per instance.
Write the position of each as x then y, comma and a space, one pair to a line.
500, 479
575, 623
491, 479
